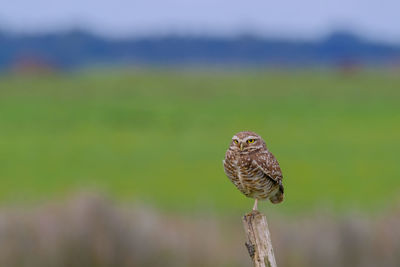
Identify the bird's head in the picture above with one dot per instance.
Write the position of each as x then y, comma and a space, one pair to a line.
246, 142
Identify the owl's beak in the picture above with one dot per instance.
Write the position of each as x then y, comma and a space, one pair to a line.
241, 146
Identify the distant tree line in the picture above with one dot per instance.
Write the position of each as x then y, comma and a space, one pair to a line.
78, 48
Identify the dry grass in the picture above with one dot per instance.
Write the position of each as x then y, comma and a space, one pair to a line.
91, 231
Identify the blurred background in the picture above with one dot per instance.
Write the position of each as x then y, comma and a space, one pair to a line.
115, 117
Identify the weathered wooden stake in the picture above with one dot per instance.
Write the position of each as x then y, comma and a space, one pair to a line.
258, 241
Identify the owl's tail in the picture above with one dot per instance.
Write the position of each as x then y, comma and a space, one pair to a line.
278, 197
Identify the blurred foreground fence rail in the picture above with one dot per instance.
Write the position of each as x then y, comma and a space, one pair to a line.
258, 242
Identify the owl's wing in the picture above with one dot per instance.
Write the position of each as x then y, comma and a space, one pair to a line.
268, 164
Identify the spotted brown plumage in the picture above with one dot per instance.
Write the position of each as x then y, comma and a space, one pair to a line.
253, 169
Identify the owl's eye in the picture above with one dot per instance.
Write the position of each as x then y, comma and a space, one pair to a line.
250, 141
236, 141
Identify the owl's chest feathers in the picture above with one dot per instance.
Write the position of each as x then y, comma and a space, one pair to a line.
242, 165
247, 173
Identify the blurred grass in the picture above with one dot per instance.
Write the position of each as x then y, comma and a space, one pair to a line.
160, 136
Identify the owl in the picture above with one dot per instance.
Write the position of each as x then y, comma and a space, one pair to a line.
253, 169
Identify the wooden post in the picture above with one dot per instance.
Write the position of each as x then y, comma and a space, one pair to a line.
258, 241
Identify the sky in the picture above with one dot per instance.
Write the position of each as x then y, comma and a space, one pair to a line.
299, 19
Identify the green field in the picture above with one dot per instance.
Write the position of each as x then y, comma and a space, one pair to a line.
160, 136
